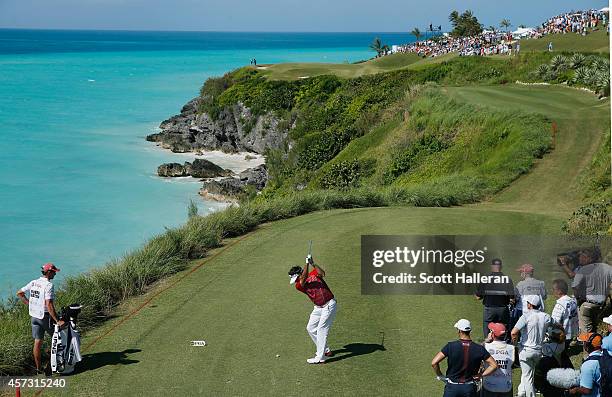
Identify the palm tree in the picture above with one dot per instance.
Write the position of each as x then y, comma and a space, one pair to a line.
505, 24
492, 28
454, 17
417, 33
377, 46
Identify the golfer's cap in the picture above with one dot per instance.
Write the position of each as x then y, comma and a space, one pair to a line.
463, 325
496, 262
526, 268
49, 266
607, 320
293, 279
498, 329
596, 342
534, 300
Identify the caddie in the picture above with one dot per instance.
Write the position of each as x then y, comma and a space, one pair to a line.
40, 297
499, 383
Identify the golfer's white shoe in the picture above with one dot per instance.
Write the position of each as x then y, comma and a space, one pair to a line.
327, 353
315, 360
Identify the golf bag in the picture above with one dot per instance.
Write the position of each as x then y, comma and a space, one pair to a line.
66, 342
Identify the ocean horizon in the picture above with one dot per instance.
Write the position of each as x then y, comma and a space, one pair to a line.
77, 179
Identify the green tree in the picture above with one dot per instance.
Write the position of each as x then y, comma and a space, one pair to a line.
465, 24
505, 24
454, 18
377, 46
417, 33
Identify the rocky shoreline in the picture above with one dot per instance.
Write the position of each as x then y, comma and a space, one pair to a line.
236, 130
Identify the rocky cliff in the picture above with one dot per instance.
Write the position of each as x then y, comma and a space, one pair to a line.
231, 188
199, 168
235, 130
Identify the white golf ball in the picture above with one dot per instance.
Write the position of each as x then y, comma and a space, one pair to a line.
278, 355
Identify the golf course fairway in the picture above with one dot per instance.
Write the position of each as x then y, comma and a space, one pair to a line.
240, 302
238, 299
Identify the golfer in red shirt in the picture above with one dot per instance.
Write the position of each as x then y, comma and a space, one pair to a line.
324, 311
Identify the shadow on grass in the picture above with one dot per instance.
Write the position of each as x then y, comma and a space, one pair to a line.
98, 360
353, 350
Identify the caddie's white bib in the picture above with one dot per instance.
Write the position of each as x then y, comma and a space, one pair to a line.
39, 290
500, 381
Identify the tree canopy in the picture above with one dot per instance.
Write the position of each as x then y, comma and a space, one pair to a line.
465, 24
505, 24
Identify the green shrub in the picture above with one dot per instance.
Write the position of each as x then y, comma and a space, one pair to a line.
346, 174
591, 71
406, 158
590, 220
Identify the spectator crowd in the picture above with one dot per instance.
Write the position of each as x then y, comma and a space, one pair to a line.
486, 43
518, 331
504, 43
572, 22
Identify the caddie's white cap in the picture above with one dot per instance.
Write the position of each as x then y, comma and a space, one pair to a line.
463, 325
293, 279
534, 300
608, 320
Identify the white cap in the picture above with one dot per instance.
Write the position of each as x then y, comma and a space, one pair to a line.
463, 325
534, 300
608, 320
294, 279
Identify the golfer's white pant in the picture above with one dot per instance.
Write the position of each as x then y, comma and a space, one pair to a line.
529, 359
320, 322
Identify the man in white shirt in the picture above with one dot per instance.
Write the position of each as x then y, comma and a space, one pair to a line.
565, 312
40, 302
499, 383
532, 326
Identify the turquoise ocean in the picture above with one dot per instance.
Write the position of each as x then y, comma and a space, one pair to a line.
77, 179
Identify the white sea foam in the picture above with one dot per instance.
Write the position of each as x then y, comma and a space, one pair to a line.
236, 162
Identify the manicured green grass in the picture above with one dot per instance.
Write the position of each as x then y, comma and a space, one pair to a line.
241, 304
596, 41
295, 71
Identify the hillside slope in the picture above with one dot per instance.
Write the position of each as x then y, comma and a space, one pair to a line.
555, 185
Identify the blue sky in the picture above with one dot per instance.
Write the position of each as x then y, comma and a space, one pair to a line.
272, 15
